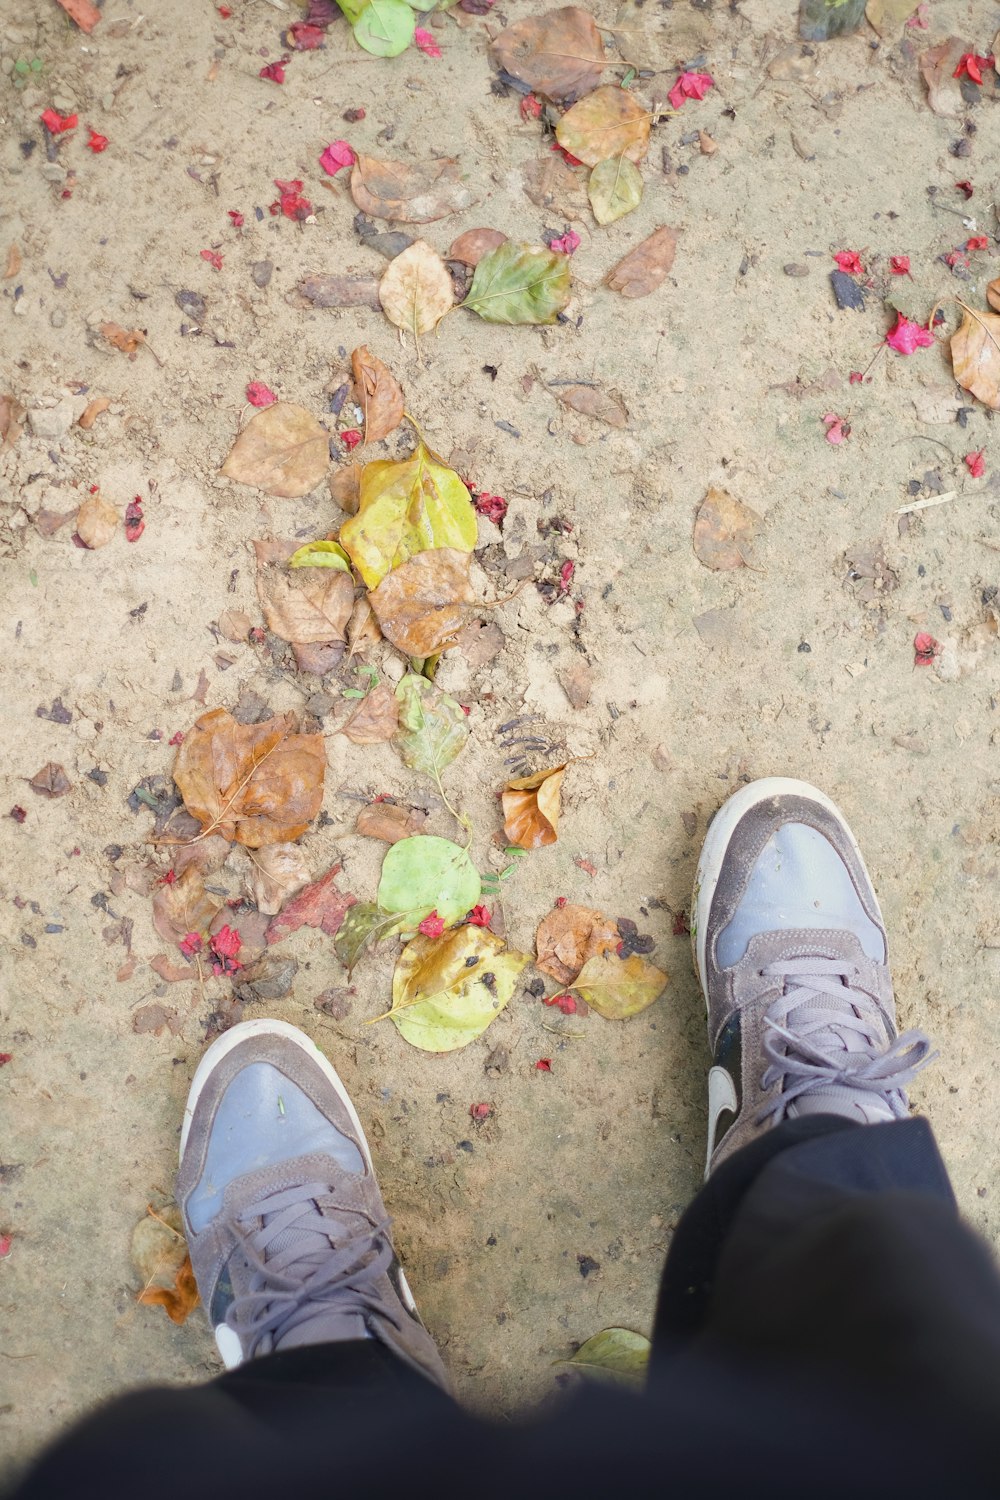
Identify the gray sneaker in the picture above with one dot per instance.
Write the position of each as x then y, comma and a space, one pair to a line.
288, 1234
791, 953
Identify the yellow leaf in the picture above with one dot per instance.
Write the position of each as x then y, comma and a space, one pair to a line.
416, 290
447, 990
619, 987
531, 808
407, 506
608, 122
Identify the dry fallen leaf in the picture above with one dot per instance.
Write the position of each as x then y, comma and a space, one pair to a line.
558, 55
276, 872
554, 186
643, 269
590, 401
723, 532
479, 642
610, 122
14, 261
308, 607
128, 340
154, 1019
161, 1260
975, 355
416, 290
568, 936
12, 415
375, 719
319, 905
171, 972
92, 411
531, 807
178, 1301
378, 393
255, 783
619, 987
345, 487
409, 194
96, 521
338, 291
183, 906
50, 781
471, 246
422, 605
362, 627
888, 16
283, 450
234, 625
387, 821
937, 65
993, 294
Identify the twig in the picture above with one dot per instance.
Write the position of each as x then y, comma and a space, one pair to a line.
906, 510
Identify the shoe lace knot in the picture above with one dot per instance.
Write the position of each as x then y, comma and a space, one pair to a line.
825, 1031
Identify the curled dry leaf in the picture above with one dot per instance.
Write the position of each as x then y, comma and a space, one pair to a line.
375, 719
128, 340
310, 607
416, 290
162, 1264
409, 194
345, 487
937, 65
568, 936
319, 905
12, 415
378, 393
171, 972
96, 521
276, 872
338, 291
975, 355
92, 411
590, 401
610, 122
471, 246
184, 906
387, 821
619, 987
531, 808
407, 505
993, 294
362, 627
283, 450
643, 269
422, 605
252, 783
558, 55
51, 781
724, 532
447, 990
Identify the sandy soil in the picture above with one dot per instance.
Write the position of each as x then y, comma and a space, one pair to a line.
700, 680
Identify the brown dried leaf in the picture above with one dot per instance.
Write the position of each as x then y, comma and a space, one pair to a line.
12, 415
555, 187
643, 269
128, 340
255, 783
155, 1018
590, 401
409, 194
310, 607
386, 821
50, 781
182, 1298
975, 355
234, 625
471, 246
610, 122
937, 65
378, 393
96, 522
423, 604
375, 719
568, 936
479, 642
162, 1264
416, 290
208, 855
184, 906
724, 532
338, 291
14, 261
276, 872
993, 294
171, 972
283, 450
559, 55
48, 522
531, 808
362, 627
319, 905
92, 411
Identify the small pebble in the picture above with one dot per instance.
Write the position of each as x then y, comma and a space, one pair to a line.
796, 270
58, 318
262, 271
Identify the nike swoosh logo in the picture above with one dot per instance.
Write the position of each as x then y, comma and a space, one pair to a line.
721, 1096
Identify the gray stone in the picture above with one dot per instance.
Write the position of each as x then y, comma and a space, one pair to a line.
51, 422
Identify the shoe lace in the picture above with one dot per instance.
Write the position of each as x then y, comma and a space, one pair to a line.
295, 1256
808, 1033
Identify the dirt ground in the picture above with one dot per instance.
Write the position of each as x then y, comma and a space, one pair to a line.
526, 1234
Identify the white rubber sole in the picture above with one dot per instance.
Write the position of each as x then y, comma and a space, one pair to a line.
717, 839
226, 1339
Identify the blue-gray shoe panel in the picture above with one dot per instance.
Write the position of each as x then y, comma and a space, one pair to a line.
263, 1119
798, 880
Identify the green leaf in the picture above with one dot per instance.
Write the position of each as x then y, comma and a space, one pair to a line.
385, 27
321, 555
518, 283
432, 727
352, 9
614, 189
424, 874
365, 925
615, 1354
422, 5
619, 987
407, 506
447, 990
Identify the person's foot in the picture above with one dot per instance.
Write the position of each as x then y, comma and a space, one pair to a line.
791, 953
288, 1234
